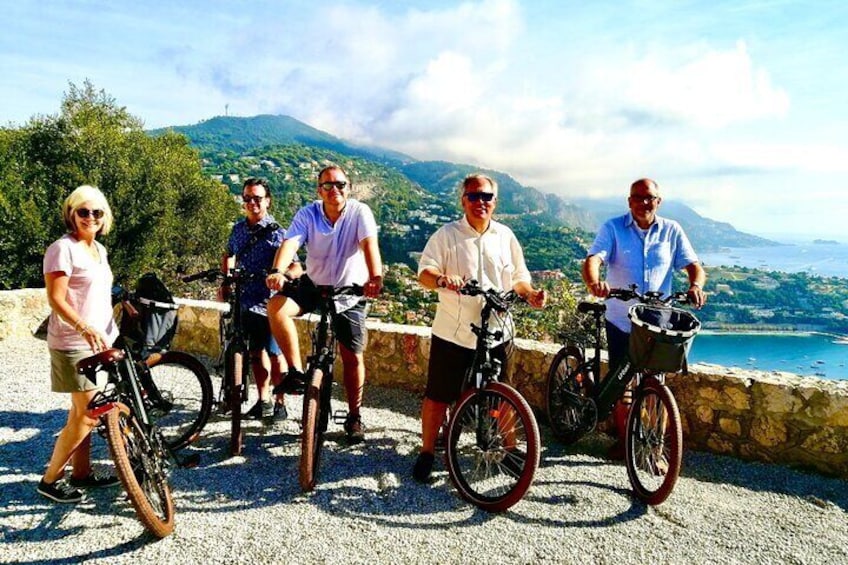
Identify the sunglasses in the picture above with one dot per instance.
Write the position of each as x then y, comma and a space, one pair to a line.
644, 199
254, 199
330, 185
85, 213
478, 196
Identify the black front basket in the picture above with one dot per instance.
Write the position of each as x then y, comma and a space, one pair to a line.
660, 337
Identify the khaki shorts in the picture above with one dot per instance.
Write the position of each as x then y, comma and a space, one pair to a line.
63, 372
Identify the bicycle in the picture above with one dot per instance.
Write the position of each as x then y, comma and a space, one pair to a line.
576, 400
177, 389
142, 458
492, 438
233, 392
319, 381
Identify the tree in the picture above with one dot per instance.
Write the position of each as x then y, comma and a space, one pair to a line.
167, 212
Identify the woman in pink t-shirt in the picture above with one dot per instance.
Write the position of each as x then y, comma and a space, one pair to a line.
79, 283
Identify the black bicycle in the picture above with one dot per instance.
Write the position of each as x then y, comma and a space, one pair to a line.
142, 458
319, 384
235, 357
492, 439
177, 389
576, 399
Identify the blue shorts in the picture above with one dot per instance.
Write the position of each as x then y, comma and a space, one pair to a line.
257, 332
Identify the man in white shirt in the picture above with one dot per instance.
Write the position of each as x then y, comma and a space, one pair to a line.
473, 247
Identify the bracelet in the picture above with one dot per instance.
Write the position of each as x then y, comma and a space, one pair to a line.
273, 271
79, 329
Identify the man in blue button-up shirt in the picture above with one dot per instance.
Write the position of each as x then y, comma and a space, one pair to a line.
644, 249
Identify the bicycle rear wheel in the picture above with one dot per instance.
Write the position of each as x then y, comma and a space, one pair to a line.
654, 442
315, 419
492, 447
564, 384
141, 468
178, 395
234, 376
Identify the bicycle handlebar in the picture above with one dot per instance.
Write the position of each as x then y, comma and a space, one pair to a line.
650, 297
210, 275
500, 301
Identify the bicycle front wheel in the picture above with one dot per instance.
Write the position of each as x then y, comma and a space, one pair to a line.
564, 387
178, 396
141, 468
315, 419
654, 442
234, 376
492, 447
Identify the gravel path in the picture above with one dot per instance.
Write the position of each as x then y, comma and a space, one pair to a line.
368, 509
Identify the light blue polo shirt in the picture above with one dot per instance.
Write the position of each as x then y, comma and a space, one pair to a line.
646, 258
333, 254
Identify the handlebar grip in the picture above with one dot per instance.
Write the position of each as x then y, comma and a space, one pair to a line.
210, 274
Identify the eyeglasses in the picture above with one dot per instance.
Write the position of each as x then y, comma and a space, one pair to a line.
85, 212
644, 199
477, 196
254, 199
330, 185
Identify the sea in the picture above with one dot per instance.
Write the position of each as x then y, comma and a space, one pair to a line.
823, 356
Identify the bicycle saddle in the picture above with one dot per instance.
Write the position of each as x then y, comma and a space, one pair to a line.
594, 307
90, 365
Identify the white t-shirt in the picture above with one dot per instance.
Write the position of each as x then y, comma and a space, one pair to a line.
89, 293
493, 258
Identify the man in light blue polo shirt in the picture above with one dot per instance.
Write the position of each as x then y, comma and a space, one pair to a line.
644, 249
340, 235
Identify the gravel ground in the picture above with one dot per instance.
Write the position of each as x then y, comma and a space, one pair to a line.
367, 508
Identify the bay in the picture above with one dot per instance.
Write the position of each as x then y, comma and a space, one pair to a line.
828, 260
818, 355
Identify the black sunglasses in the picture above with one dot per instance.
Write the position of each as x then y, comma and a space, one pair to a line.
330, 185
477, 196
254, 199
85, 212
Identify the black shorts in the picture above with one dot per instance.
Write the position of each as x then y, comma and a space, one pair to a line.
448, 366
258, 333
348, 326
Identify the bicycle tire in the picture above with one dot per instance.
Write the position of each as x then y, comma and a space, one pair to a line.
140, 468
564, 417
182, 402
234, 375
314, 422
485, 469
654, 440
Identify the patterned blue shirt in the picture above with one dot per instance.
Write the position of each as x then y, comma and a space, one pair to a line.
255, 259
646, 258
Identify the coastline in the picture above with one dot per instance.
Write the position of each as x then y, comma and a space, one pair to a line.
840, 338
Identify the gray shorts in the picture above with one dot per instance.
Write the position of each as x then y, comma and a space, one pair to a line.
63, 372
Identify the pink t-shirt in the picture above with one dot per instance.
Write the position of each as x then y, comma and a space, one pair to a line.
89, 293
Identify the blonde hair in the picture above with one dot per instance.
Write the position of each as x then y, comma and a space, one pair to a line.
80, 196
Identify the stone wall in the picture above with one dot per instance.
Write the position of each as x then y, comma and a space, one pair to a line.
772, 417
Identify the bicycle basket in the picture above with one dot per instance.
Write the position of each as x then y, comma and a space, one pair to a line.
153, 329
660, 337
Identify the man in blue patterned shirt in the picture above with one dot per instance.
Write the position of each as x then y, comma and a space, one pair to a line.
252, 246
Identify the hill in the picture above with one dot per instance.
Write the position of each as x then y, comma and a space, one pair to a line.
704, 233
240, 135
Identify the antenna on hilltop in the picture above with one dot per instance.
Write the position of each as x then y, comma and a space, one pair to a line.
226, 109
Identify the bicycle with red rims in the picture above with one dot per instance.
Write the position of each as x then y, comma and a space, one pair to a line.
492, 440
319, 381
576, 398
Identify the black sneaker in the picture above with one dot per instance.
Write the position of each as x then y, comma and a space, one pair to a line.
423, 467
513, 462
60, 491
293, 383
280, 412
262, 409
354, 430
95, 480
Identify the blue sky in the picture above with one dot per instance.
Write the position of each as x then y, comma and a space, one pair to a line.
737, 108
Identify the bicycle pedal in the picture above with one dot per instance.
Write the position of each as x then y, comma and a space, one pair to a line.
340, 416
